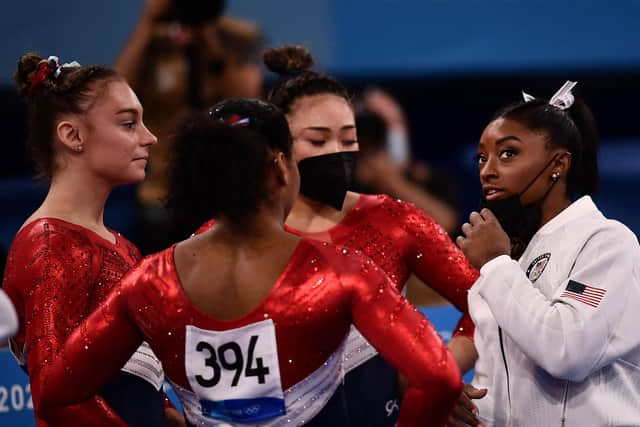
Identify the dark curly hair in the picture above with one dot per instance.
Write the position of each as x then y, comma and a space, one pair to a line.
73, 90
221, 160
297, 79
573, 129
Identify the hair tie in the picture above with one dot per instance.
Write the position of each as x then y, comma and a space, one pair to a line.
562, 99
47, 67
236, 120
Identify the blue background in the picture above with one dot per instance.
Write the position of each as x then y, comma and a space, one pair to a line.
359, 37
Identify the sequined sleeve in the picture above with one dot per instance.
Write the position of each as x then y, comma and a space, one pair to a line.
439, 263
55, 268
407, 341
106, 339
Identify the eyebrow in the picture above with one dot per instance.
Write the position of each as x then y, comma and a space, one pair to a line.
326, 129
507, 138
127, 110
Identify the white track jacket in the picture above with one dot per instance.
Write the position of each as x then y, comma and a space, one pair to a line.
558, 332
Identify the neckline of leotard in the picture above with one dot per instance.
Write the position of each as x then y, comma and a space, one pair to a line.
73, 225
297, 252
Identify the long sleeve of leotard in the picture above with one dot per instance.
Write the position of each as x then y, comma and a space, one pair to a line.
439, 263
51, 281
407, 341
106, 339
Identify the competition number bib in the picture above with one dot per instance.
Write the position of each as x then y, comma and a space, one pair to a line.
235, 373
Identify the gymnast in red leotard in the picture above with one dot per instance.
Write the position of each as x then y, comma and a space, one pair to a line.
249, 320
396, 235
87, 137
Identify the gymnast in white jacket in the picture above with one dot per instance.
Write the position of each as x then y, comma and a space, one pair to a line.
557, 304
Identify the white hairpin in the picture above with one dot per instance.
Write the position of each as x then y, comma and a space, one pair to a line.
562, 99
527, 97
56, 62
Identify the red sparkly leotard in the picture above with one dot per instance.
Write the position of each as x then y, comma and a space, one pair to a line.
403, 240
57, 273
308, 313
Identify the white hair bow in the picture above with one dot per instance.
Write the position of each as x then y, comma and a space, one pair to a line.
55, 61
562, 99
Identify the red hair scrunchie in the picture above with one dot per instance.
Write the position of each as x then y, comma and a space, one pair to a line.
43, 71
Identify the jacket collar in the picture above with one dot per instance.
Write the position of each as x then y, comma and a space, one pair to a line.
582, 207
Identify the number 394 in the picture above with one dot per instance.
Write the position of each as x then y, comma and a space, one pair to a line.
15, 398
219, 359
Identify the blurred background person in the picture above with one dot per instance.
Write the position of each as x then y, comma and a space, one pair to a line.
386, 163
183, 56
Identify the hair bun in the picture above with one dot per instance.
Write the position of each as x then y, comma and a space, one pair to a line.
288, 59
27, 65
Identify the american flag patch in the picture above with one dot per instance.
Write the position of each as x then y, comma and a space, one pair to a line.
586, 294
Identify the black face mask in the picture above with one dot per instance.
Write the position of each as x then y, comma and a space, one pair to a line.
327, 178
519, 222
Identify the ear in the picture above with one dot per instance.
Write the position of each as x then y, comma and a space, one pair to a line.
281, 166
562, 164
68, 132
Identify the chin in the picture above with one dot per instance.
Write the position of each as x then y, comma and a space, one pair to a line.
129, 179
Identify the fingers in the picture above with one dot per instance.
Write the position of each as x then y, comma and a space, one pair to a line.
488, 215
461, 242
475, 218
462, 417
466, 403
466, 228
465, 412
474, 393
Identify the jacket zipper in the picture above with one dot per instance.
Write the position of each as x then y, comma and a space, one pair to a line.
563, 420
506, 368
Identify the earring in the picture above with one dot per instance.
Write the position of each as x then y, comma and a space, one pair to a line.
79, 148
555, 176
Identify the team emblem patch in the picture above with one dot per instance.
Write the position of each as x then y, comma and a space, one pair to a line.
537, 266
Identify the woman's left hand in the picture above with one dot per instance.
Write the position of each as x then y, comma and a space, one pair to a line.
465, 412
484, 239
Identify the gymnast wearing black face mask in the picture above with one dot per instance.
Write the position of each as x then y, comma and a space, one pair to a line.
397, 236
555, 304
534, 157
519, 221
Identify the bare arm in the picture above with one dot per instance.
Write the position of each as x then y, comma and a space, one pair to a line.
463, 351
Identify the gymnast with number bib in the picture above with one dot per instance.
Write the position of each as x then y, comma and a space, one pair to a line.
250, 320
